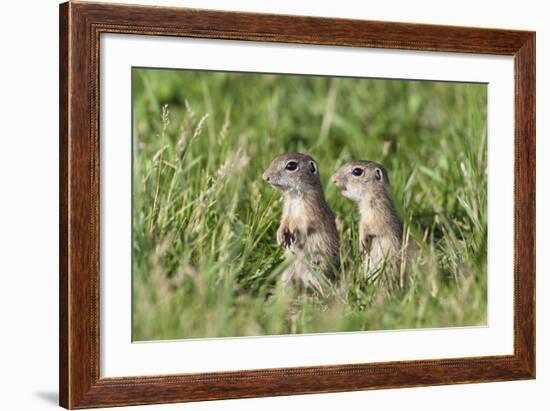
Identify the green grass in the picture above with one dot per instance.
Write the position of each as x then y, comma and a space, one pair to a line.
204, 247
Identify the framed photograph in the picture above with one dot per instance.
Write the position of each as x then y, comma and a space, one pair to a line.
259, 205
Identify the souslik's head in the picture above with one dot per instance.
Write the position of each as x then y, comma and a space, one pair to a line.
293, 172
359, 179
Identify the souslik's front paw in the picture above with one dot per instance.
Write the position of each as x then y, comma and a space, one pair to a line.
285, 237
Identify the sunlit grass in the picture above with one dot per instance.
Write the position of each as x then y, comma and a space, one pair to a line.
204, 249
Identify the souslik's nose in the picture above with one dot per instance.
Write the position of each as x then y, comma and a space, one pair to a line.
265, 176
337, 182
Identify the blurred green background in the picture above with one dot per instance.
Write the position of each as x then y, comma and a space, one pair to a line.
204, 222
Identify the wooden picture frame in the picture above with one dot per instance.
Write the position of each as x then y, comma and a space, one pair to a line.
80, 27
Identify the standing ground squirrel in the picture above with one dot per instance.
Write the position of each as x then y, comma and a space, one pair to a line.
308, 229
380, 228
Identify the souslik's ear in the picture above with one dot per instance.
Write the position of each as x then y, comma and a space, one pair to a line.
313, 167
379, 174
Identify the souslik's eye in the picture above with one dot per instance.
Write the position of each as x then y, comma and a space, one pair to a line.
357, 171
291, 165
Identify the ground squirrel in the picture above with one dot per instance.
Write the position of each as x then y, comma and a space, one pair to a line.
380, 228
308, 229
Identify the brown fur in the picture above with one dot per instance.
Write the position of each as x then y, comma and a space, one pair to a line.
308, 229
380, 228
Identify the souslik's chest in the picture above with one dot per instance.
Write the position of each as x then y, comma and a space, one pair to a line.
300, 218
296, 214
370, 223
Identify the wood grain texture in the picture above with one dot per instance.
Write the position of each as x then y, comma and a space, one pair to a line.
63, 206
80, 27
525, 203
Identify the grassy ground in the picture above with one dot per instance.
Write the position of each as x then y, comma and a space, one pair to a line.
204, 248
